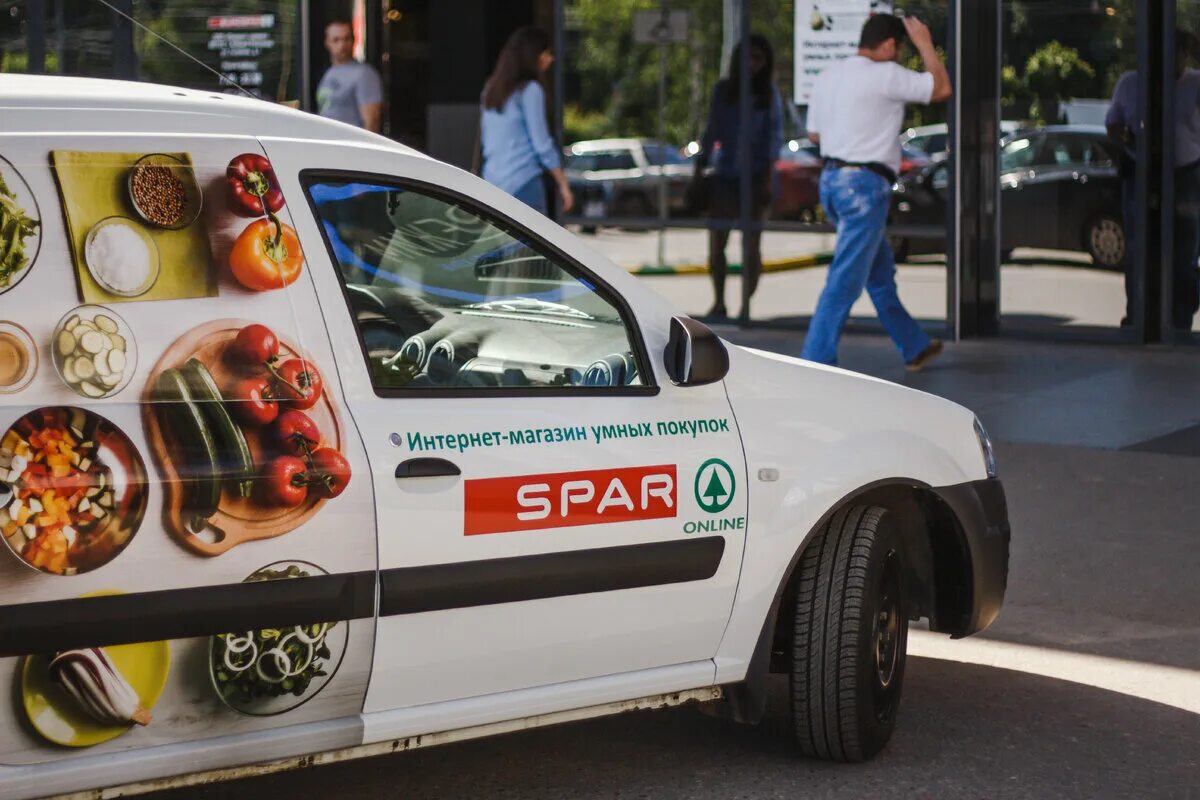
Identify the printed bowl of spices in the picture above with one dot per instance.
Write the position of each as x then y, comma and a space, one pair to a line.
121, 257
18, 357
164, 191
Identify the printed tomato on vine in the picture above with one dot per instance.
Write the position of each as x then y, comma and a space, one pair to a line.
299, 383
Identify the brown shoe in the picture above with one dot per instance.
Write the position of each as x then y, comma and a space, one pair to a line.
931, 351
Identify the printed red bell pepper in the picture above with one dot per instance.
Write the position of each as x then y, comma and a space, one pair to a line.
253, 187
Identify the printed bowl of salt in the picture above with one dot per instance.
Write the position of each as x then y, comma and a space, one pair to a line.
121, 257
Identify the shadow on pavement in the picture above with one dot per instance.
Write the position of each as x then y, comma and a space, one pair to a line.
965, 731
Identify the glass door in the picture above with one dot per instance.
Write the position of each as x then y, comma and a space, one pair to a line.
1066, 191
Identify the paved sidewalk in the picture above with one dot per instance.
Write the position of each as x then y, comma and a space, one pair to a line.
1114, 397
1041, 291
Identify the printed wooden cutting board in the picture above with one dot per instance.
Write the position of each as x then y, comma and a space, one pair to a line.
237, 519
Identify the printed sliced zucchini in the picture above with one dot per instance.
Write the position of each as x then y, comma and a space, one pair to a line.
92, 355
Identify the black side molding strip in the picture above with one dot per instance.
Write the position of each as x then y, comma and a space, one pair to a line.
412, 590
47, 627
55, 625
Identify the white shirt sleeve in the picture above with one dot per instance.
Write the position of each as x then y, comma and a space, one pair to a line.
908, 86
812, 122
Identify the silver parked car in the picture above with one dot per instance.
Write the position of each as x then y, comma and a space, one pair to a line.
627, 172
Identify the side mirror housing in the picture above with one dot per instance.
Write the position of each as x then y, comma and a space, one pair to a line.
694, 355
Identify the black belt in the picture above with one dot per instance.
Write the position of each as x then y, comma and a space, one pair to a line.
873, 166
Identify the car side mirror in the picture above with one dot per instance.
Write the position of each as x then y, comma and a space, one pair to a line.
694, 355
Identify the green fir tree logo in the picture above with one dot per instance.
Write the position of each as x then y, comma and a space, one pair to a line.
715, 486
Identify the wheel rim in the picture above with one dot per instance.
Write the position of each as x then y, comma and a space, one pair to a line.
886, 637
1108, 241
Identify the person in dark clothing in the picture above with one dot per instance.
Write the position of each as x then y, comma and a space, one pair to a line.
1122, 120
719, 148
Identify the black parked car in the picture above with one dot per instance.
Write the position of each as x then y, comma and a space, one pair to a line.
1059, 190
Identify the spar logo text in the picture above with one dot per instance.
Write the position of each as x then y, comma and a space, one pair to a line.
567, 499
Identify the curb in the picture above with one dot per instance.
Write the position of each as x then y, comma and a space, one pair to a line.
806, 261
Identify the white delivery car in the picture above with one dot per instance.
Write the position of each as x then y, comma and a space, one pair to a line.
310, 444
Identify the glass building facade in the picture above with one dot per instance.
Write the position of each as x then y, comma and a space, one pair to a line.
1057, 195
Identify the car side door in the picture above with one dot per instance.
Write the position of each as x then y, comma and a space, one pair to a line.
1027, 201
552, 508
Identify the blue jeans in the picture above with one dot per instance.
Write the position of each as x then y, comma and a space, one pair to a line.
857, 201
533, 194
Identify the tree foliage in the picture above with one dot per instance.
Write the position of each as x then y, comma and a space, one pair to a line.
613, 81
1055, 73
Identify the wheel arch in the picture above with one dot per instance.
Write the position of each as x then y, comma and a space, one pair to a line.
938, 578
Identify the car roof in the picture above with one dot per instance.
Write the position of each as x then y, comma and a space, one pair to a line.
1083, 130
96, 105
936, 128
591, 145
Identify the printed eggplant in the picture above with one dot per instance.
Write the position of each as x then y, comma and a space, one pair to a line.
98, 687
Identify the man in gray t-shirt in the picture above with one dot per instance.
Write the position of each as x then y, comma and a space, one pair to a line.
349, 91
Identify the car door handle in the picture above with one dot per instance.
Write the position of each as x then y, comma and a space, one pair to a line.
426, 468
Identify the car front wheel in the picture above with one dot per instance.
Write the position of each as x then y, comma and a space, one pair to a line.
850, 637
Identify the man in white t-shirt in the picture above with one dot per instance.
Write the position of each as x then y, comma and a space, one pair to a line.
855, 114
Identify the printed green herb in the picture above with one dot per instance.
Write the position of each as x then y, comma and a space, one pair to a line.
15, 227
271, 662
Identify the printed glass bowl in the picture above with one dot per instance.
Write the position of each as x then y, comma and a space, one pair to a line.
192, 199
94, 351
155, 262
16, 344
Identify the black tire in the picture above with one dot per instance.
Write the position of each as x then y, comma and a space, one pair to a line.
899, 248
850, 637
1105, 241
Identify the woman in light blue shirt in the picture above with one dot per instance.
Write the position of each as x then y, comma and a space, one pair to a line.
514, 136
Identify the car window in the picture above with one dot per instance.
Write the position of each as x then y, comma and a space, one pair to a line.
659, 154
930, 143
444, 297
581, 163
940, 178
614, 159
1073, 150
1068, 150
1018, 154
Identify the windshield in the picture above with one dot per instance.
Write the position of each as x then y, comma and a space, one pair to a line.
1017, 154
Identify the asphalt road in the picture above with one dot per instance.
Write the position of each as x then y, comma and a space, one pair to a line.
967, 732
1093, 575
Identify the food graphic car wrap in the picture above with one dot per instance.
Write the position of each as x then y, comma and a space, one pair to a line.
165, 396
568, 499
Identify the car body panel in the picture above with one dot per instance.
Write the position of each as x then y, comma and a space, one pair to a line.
835, 432
799, 439
627, 175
